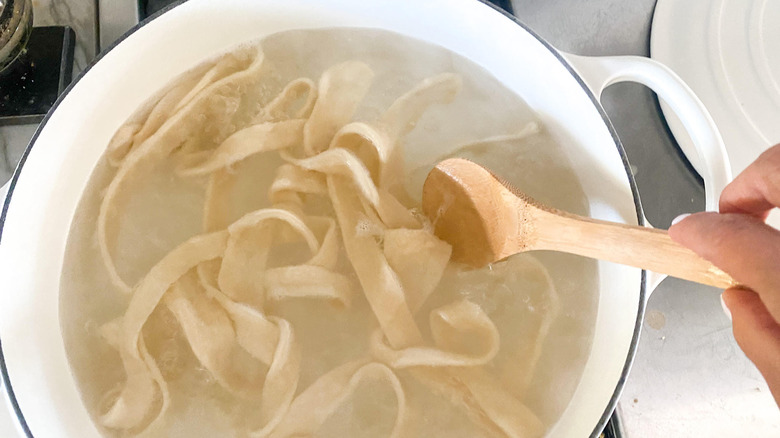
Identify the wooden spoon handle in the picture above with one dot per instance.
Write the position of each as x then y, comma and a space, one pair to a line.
640, 247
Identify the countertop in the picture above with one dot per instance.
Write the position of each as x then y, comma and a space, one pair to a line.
689, 377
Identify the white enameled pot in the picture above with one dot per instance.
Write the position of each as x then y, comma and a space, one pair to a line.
563, 89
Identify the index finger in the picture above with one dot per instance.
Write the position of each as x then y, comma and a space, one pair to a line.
756, 190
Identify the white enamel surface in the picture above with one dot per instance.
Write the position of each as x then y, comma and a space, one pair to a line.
8, 427
728, 51
704, 148
68, 147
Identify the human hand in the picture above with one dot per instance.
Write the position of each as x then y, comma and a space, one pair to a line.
739, 241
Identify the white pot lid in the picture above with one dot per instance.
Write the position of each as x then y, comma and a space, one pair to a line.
728, 51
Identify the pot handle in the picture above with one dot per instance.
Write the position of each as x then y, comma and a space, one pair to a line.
706, 150
3, 193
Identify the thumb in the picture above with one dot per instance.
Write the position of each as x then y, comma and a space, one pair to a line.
742, 245
757, 334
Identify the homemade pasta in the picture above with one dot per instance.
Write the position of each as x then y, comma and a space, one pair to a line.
338, 230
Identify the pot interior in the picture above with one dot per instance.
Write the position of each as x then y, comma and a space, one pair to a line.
79, 130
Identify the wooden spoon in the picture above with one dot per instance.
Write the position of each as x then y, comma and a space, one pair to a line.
486, 221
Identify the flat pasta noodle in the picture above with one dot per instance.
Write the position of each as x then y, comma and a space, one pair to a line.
343, 162
484, 400
256, 333
308, 281
520, 373
297, 179
216, 206
381, 285
282, 106
313, 406
403, 114
122, 142
111, 332
262, 137
168, 137
528, 130
419, 259
341, 89
268, 339
504, 410
146, 122
450, 325
328, 254
210, 334
248, 247
402, 117
227, 65
354, 137
144, 382
292, 183
281, 381
221, 180
340, 161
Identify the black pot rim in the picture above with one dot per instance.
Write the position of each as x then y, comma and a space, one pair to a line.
5, 379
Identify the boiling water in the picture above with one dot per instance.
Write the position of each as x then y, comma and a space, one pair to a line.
164, 210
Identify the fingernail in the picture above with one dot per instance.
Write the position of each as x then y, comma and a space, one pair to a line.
680, 218
725, 307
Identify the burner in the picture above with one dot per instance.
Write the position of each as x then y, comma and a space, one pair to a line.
16, 18
35, 63
31, 84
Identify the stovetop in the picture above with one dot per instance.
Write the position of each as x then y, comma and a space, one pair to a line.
688, 366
